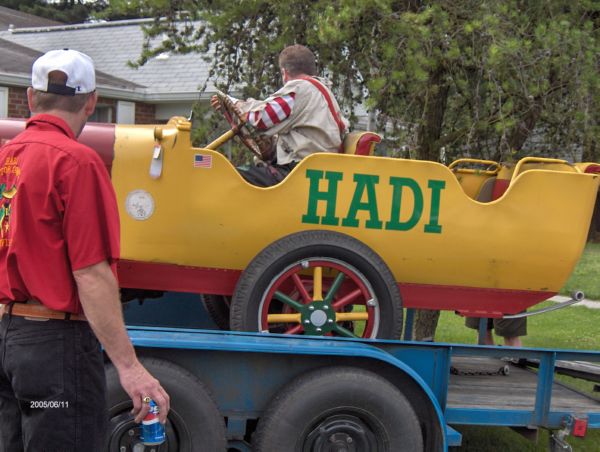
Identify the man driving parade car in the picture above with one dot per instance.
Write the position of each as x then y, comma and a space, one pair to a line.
303, 117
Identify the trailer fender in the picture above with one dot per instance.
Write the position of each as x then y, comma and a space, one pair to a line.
340, 350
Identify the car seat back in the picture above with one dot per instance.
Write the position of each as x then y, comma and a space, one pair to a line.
475, 176
360, 143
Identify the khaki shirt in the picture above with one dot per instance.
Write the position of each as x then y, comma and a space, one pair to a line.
309, 128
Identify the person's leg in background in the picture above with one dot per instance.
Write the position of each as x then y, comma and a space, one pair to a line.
511, 330
474, 323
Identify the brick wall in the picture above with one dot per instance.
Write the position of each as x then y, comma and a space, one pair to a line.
17, 103
17, 107
145, 113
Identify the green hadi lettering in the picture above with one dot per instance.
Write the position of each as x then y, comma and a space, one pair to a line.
329, 197
436, 187
324, 188
364, 182
398, 184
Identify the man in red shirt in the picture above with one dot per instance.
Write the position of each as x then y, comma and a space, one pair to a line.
59, 241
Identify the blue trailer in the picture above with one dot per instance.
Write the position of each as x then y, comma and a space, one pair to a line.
233, 391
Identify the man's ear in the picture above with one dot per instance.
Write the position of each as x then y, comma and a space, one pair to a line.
90, 105
30, 99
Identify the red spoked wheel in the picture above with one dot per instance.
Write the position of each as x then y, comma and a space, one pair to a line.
318, 283
320, 296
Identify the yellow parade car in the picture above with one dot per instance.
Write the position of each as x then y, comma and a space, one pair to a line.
345, 241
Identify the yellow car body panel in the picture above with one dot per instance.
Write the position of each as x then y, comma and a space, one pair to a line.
190, 222
529, 239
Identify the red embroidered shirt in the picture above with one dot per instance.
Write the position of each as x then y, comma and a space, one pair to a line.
58, 214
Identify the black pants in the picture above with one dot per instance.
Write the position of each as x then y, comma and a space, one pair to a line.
266, 176
52, 387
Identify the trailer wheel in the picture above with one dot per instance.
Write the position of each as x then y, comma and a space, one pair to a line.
319, 283
342, 409
217, 307
194, 422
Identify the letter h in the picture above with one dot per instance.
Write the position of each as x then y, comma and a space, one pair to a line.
328, 196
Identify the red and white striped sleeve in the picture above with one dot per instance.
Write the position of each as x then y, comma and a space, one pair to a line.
272, 112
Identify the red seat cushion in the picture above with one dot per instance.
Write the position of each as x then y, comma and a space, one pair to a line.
360, 143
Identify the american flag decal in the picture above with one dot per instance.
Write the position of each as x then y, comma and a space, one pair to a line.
202, 161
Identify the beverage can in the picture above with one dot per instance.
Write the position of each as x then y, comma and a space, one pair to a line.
153, 432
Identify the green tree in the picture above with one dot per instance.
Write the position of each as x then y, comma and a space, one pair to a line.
491, 79
470, 76
65, 11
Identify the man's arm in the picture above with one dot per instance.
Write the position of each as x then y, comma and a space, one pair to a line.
269, 116
99, 295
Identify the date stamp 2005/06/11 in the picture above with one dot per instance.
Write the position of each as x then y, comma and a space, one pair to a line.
48, 404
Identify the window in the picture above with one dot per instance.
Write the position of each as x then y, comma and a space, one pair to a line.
3, 102
103, 113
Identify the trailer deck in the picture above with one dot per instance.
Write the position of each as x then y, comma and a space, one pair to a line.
515, 391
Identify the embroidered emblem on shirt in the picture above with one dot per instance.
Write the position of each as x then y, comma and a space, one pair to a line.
10, 170
6, 195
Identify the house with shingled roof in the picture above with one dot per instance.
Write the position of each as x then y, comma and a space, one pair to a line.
10, 18
165, 86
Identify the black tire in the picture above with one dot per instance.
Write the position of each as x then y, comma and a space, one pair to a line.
257, 278
339, 408
217, 307
194, 423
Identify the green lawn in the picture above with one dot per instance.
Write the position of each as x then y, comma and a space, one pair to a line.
586, 275
575, 327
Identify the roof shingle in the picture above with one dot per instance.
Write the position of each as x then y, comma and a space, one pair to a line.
16, 59
20, 19
112, 45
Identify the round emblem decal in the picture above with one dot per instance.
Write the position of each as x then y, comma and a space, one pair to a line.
139, 205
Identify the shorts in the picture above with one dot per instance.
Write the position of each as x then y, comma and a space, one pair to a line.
503, 327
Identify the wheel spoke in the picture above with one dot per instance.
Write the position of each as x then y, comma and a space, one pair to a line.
301, 289
351, 316
343, 331
347, 299
283, 318
287, 300
335, 286
318, 284
336, 293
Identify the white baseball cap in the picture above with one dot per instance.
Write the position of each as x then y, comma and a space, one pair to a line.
77, 66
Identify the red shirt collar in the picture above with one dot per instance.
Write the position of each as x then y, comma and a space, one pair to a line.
48, 122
